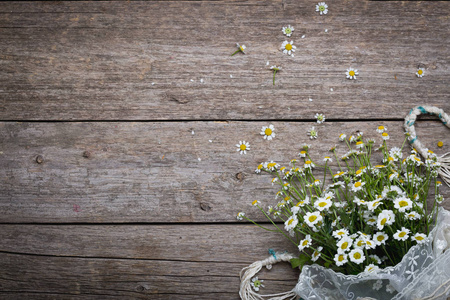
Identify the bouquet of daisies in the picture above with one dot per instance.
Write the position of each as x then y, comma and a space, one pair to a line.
359, 222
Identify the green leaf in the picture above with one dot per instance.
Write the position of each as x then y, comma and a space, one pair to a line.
299, 262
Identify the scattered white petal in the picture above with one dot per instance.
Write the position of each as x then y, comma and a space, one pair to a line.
331, 89
231, 76
303, 36
193, 132
210, 141
310, 99
199, 159
153, 83
267, 63
201, 80
192, 80
326, 30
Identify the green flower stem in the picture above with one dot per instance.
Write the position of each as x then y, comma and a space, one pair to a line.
274, 72
237, 51
337, 160
271, 221
250, 220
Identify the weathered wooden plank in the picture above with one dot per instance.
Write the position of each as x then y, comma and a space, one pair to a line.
98, 60
158, 171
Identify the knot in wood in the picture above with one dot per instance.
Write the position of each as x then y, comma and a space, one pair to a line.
205, 206
86, 154
240, 176
39, 159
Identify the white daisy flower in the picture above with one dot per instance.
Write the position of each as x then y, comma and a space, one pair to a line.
290, 223
341, 259
303, 153
412, 215
351, 73
342, 137
337, 175
357, 186
268, 132
257, 283
322, 8
259, 168
439, 199
381, 129
359, 243
240, 216
352, 139
357, 256
372, 205
305, 243
288, 30
403, 204
316, 254
322, 204
402, 234
243, 147
360, 171
370, 244
272, 166
288, 48
255, 203
359, 144
420, 72
240, 49
420, 238
385, 136
375, 258
320, 118
386, 217
371, 269
313, 134
340, 233
312, 218
275, 69
327, 159
380, 238
309, 165
299, 204
344, 244
393, 176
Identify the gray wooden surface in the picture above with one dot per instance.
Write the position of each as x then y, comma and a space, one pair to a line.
119, 175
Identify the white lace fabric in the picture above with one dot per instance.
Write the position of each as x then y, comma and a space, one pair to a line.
423, 273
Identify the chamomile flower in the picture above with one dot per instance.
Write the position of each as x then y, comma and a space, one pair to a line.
420, 72
370, 244
375, 258
402, 234
393, 176
243, 147
290, 223
322, 204
385, 136
372, 205
420, 238
342, 137
288, 30
313, 134
259, 168
344, 244
272, 166
303, 153
309, 165
305, 243
316, 254
439, 199
341, 259
337, 175
351, 73
413, 215
371, 268
299, 204
268, 132
320, 118
327, 159
256, 283
275, 69
241, 48
352, 139
312, 218
255, 202
240, 216
386, 217
288, 48
359, 144
403, 204
322, 8
357, 256
340, 233
380, 238
357, 186
360, 243
381, 129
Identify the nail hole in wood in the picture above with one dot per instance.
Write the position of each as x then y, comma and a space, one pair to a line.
86, 154
240, 176
205, 206
39, 159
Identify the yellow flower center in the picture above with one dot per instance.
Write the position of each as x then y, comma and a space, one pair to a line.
341, 257
380, 238
383, 221
402, 234
440, 144
358, 172
352, 73
341, 233
271, 165
419, 238
385, 134
344, 245
420, 72
357, 255
287, 198
254, 202
268, 131
312, 218
390, 158
322, 204
288, 47
308, 162
290, 221
360, 243
380, 127
403, 203
260, 167
242, 147
358, 184
359, 143
305, 242
302, 152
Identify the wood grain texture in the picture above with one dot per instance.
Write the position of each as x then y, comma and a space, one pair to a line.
136, 262
158, 171
136, 60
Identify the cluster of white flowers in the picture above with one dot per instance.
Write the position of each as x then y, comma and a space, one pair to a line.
368, 211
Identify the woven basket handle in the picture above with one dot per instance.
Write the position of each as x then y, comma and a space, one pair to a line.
410, 120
